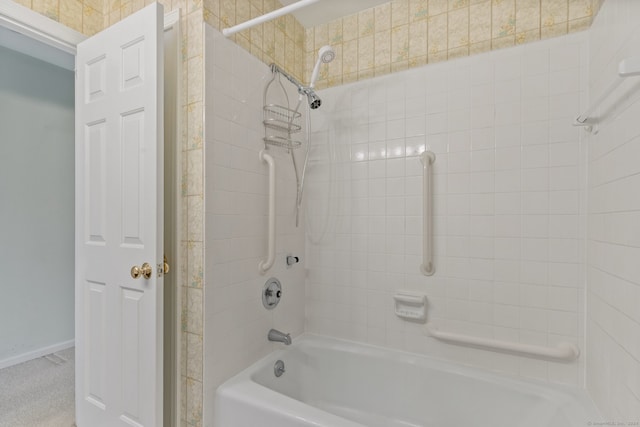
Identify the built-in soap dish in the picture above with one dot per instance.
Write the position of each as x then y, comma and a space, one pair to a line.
411, 306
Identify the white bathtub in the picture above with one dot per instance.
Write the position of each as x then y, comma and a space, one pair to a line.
333, 383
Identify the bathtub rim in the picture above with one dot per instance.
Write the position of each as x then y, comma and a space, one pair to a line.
244, 382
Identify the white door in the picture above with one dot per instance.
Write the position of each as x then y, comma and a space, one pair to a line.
119, 223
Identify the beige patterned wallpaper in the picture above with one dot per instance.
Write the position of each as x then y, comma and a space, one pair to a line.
280, 41
408, 33
84, 16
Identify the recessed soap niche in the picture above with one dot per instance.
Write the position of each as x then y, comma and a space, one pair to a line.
411, 306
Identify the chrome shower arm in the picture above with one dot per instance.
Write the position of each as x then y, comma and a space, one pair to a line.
307, 91
301, 88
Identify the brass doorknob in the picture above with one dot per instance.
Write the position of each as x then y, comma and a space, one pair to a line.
135, 272
144, 271
165, 265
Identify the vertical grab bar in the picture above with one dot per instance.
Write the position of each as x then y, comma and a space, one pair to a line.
265, 265
427, 158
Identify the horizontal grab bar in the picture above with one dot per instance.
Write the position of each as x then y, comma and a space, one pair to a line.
564, 352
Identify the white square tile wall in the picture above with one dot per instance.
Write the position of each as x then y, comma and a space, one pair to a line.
509, 213
613, 270
236, 323
511, 202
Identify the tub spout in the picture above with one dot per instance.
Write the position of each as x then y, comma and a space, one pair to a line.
278, 336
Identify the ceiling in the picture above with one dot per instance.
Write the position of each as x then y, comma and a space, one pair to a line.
327, 10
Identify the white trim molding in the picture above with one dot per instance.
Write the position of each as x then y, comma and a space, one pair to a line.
34, 354
29, 23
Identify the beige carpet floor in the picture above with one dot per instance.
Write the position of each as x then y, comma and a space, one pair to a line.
39, 393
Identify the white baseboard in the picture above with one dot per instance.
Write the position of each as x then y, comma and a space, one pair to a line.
25, 357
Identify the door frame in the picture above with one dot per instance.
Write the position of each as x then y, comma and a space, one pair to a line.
54, 34
38, 27
172, 217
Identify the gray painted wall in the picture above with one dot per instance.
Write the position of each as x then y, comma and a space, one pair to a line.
36, 204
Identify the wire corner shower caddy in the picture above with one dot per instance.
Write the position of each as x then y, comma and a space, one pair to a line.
280, 121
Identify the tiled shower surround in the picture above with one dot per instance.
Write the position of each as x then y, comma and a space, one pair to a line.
508, 205
236, 323
511, 213
613, 270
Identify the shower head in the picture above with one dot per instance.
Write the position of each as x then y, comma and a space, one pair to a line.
314, 100
326, 54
